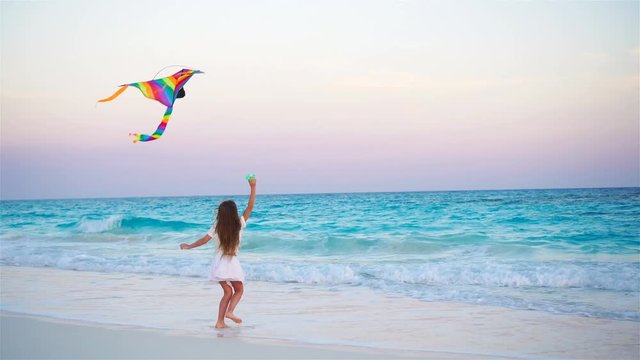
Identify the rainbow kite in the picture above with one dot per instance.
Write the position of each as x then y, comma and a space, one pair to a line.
165, 90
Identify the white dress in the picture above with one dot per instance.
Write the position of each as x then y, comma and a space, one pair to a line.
225, 267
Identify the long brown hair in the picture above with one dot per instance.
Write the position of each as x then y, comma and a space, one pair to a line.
228, 227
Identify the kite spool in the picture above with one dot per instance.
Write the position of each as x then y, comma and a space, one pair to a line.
250, 176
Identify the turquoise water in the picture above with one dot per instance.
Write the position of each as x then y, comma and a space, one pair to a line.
560, 251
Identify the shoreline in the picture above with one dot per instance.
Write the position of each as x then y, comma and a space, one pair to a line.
25, 336
285, 315
40, 325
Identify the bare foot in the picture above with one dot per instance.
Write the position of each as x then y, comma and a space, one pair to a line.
234, 318
221, 325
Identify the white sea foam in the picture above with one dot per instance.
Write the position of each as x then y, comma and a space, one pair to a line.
507, 284
523, 274
495, 285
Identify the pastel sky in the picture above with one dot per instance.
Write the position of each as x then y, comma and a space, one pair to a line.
320, 96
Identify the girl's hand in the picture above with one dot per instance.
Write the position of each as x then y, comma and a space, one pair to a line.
184, 246
252, 182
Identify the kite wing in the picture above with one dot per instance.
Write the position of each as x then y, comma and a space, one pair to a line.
164, 90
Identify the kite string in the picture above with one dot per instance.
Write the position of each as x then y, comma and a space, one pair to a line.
168, 66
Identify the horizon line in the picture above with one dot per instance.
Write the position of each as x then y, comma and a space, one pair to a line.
325, 193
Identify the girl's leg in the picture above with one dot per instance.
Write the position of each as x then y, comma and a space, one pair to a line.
224, 303
238, 288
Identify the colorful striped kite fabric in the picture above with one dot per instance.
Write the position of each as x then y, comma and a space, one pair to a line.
164, 90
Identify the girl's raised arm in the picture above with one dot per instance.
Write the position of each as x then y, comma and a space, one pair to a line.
252, 199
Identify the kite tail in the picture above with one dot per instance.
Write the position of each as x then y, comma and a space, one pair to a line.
116, 94
156, 135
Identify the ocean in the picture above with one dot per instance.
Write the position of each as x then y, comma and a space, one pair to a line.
574, 252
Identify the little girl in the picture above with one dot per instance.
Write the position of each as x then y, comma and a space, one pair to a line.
226, 269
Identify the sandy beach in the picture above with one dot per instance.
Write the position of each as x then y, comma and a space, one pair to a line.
140, 316
41, 338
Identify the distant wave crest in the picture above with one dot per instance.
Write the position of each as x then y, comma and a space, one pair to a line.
122, 224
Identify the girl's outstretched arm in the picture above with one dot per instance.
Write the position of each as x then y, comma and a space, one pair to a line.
203, 240
252, 199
